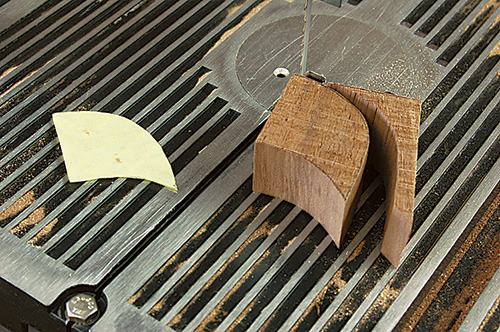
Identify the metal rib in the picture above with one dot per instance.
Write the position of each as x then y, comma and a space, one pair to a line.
154, 207
331, 272
44, 34
470, 70
459, 114
317, 288
449, 14
39, 201
48, 47
191, 261
327, 276
344, 293
56, 98
27, 165
77, 195
123, 203
220, 262
435, 257
427, 14
469, 44
34, 23
415, 239
94, 49
87, 55
292, 282
456, 150
252, 260
151, 63
158, 60
460, 29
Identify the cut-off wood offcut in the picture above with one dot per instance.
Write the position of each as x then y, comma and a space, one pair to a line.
314, 147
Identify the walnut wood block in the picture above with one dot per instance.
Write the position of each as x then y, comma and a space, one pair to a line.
312, 152
394, 123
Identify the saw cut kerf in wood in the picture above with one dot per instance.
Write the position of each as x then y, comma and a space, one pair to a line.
314, 147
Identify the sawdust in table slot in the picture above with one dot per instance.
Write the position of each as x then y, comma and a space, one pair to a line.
202, 78
285, 248
24, 156
250, 212
39, 239
356, 252
217, 315
362, 289
266, 260
443, 276
483, 272
251, 306
8, 71
490, 314
336, 284
18, 82
31, 221
18, 206
485, 13
174, 260
381, 304
262, 232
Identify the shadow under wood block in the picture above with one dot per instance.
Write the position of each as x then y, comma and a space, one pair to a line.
313, 150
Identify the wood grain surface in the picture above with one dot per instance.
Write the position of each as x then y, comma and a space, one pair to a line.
312, 152
394, 123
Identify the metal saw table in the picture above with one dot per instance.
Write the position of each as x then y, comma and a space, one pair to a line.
199, 76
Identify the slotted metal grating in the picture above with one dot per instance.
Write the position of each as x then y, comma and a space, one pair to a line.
217, 256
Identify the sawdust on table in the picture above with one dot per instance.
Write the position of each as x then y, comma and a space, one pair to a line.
263, 231
18, 206
356, 252
490, 314
445, 275
246, 214
25, 225
335, 282
36, 240
245, 19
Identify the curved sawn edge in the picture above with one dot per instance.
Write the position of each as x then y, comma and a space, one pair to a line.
289, 163
394, 123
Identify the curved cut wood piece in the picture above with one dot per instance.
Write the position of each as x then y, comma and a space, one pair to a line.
312, 152
394, 123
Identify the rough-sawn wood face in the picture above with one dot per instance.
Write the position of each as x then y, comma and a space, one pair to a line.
314, 147
312, 152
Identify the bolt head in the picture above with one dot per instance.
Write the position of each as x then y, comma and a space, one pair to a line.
81, 307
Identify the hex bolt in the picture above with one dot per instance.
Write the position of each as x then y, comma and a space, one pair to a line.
81, 308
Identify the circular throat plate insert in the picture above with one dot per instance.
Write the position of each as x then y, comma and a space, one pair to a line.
344, 50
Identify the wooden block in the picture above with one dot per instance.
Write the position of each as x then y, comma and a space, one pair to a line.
394, 123
312, 152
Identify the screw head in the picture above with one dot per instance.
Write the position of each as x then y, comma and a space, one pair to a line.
80, 308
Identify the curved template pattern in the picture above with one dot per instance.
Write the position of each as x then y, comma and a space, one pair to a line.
312, 150
102, 145
316, 133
